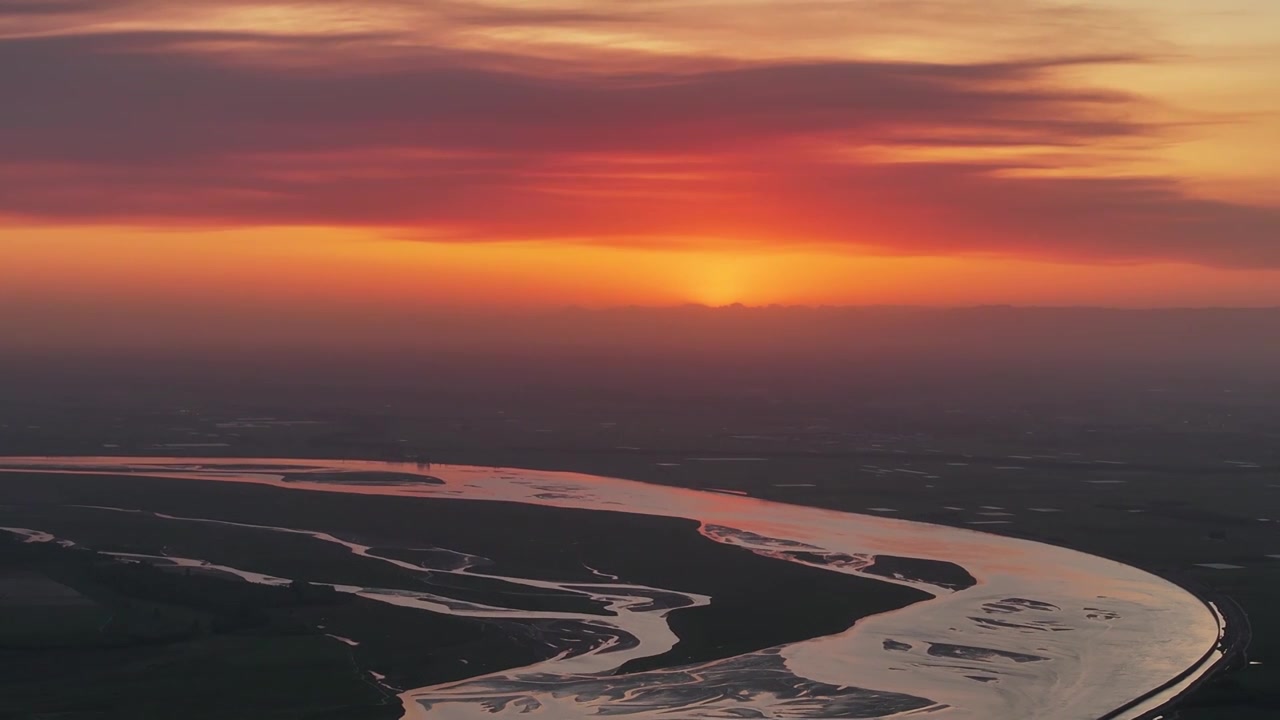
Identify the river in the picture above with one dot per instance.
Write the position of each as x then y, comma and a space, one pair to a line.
1045, 632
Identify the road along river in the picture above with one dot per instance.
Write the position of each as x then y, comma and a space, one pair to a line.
1037, 631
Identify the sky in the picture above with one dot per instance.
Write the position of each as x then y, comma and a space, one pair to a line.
341, 158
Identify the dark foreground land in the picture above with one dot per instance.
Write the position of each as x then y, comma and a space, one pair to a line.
1149, 437
98, 626
133, 620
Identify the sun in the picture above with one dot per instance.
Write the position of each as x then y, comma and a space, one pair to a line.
717, 283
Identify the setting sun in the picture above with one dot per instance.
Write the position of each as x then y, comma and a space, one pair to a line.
402, 156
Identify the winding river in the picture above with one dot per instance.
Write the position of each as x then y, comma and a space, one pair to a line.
1045, 632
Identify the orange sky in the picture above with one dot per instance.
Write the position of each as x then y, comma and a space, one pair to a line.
387, 156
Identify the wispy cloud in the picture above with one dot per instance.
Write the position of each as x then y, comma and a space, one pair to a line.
200, 123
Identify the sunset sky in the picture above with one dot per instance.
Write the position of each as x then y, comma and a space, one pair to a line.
342, 156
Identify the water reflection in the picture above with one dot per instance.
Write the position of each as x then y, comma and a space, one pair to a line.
1015, 629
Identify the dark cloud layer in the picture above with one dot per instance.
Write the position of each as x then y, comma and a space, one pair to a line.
241, 129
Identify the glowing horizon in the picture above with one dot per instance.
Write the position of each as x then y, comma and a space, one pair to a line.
535, 153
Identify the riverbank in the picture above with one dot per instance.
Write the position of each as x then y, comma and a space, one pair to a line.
239, 526
1115, 612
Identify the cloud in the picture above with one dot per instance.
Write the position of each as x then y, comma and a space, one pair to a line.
48, 7
222, 128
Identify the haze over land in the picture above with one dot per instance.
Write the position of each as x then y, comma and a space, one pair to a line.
1144, 436
817, 350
